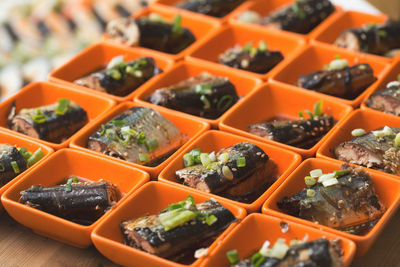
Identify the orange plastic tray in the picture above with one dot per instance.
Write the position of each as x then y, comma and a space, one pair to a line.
201, 28
19, 141
185, 70
230, 36
330, 31
265, 7
387, 189
286, 162
188, 126
98, 56
255, 229
314, 57
381, 85
54, 170
150, 199
44, 93
276, 100
365, 119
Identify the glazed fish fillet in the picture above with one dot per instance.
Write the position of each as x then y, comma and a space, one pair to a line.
386, 100
215, 8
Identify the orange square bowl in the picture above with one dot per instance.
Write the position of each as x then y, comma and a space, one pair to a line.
330, 31
285, 161
54, 170
266, 7
185, 70
201, 28
249, 236
387, 189
364, 119
44, 93
150, 199
7, 137
98, 56
314, 57
188, 126
230, 36
381, 85
274, 100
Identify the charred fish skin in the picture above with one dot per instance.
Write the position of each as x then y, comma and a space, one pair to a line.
215, 8
148, 234
261, 62
204, 95
214, 181
143, 69
55, 128
301, 133
376, 39
387, 100
9, 154
127, 136
350, 203
371, 151
347, 83
157, 35
301, 16
84, 203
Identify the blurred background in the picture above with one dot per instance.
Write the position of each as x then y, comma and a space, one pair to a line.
39, 35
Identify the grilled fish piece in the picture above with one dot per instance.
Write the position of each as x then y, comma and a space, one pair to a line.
204, 95
84, 203
300, 133
301, 17
148, 234
376, 39
130, 76
348, 82
387, 100
256, 173
157, 35
371, 151
54, 128
9, 154
139, 135
346, 206
316, 253
215, 8
260, 62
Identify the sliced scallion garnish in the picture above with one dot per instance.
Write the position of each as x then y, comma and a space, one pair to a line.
233, 256
103, 129
115, 74
205, 101
310, 181
311, 193
210, 220
188, 160
318, 109
338, 174
141, 139
143, 157
39, 118
205, 159
2, 168
15, 167
177, 25
224, 103
35, 157
152, 144
63, 106
262, 46
118, 122
397, 140
204, 89
241, 162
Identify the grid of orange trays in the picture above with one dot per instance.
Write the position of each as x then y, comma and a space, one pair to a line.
244, 136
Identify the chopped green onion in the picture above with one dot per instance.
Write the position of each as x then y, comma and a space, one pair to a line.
311, 193
325, 177
130, 70
337, 56
316, 173
179, 219
177, 25
387, 130
39, 118
115, 74
111, 134
257, 259
340, 173
205, 159
212, 156
63, 105
2, 168
196, 155
309, 113
397, 140
318, 109
138, 73
262, 46
253, 51
301, 114
118, 122
141, 139
298, 11
310, 181
225, 102
75, 179
24, 152
188, 160
223, 158
398, 77
36, 156
15, 167
362, 67
233, 256
38, 111
241, 162
103, 129
68, 187
210, 220
227, 173
330, 182
115, 61
204, 89
152, 144
212, 166
247, 47
358, 132
205, 101
143, 157
382, 33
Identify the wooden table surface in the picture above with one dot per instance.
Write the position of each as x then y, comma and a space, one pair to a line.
19, 246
